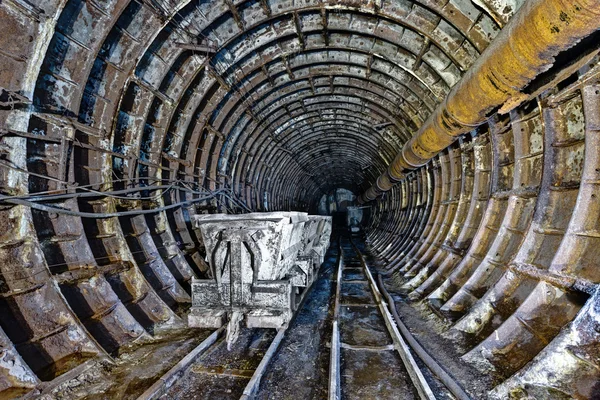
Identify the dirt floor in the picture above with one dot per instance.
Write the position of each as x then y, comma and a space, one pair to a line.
136, 369
221, 373
426, 327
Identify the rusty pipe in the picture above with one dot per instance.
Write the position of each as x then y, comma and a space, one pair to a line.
524, 49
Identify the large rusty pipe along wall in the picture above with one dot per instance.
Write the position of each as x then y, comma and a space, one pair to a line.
524, 49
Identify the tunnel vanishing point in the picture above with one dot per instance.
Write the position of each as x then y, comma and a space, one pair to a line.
469, 131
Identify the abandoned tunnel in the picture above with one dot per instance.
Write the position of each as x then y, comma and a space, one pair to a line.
464, 133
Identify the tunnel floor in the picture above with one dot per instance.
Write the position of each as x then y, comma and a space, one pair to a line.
370, 368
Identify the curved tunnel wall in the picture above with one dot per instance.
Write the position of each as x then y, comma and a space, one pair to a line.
121, 119
504, 249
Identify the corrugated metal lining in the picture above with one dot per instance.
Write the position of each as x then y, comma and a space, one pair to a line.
187, 107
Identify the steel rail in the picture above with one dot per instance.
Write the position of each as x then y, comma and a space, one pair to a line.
334, 358
413, 370
402, 348
251, 387
254, 383
443, 376
160, 387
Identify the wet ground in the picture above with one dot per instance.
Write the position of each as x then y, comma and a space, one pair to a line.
135, 370
220, 373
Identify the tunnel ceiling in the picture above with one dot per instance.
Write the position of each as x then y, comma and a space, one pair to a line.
279, 101
119, 120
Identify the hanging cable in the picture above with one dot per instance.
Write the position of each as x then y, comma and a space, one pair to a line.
70, 186
58, 210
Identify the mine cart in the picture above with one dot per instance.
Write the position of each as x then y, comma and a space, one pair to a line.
324, 237
315, 240
255, 274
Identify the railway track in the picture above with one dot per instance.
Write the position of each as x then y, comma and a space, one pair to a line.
369, 358
212, 371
